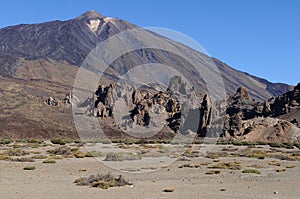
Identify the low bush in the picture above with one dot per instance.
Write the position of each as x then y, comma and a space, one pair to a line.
227, 165
58, 141
29, 168
102, 181
49, 161
16, 152
251, 171
6, 141
40, 157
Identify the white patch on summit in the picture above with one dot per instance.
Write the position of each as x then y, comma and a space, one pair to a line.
94, 24
108, 19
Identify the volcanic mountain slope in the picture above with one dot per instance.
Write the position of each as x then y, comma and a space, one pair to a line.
71, 41
41, 60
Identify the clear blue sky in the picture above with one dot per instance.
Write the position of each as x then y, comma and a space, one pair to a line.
260, 37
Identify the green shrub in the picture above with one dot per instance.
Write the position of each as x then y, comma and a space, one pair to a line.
107, 141
58, 141
5, 157
29, 168
227, 165
16, 152
275, 144
6, 141
63, 151
94, 154
40, 157
251, 171
23, 159
79, 154
49, 161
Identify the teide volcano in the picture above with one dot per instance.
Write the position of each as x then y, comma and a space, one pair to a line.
41, 60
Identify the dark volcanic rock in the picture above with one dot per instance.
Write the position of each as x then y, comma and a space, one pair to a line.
247, 117
287, 102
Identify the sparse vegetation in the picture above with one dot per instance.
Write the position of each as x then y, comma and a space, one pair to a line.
79, 154
106, 141
122, 156
260, 154
63, 151
257, 166
94, 154
49, 161
190, 166
6, 141
40, 157
274, 163
251, 171
290, 166
102, 181
23, 159
58, 141
16, 152
227, 165
5, 157
113, 157
29, 168
280, 170
211, 172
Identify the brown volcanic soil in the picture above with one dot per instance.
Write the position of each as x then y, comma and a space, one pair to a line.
22, 101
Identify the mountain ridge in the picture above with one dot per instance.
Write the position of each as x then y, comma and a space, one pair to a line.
73, 39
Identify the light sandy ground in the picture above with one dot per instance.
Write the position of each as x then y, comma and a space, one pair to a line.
57, 180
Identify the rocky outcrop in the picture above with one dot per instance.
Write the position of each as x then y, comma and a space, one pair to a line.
287, 102
140, 107
269, 129
179, 107
69, 99
250, 120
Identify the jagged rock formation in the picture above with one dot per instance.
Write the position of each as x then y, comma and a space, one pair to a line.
250, 120
144, 107
179, 107
245, 118
68, 100
287, 102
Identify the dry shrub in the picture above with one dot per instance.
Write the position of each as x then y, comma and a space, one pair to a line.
122, 156
274, 163
49, 161
22, 159
16, 152
211, 172
102, 181
40, 157
227, 165
251, 171
190, 166
63, 151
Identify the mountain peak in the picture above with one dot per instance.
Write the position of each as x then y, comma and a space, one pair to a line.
91, 14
